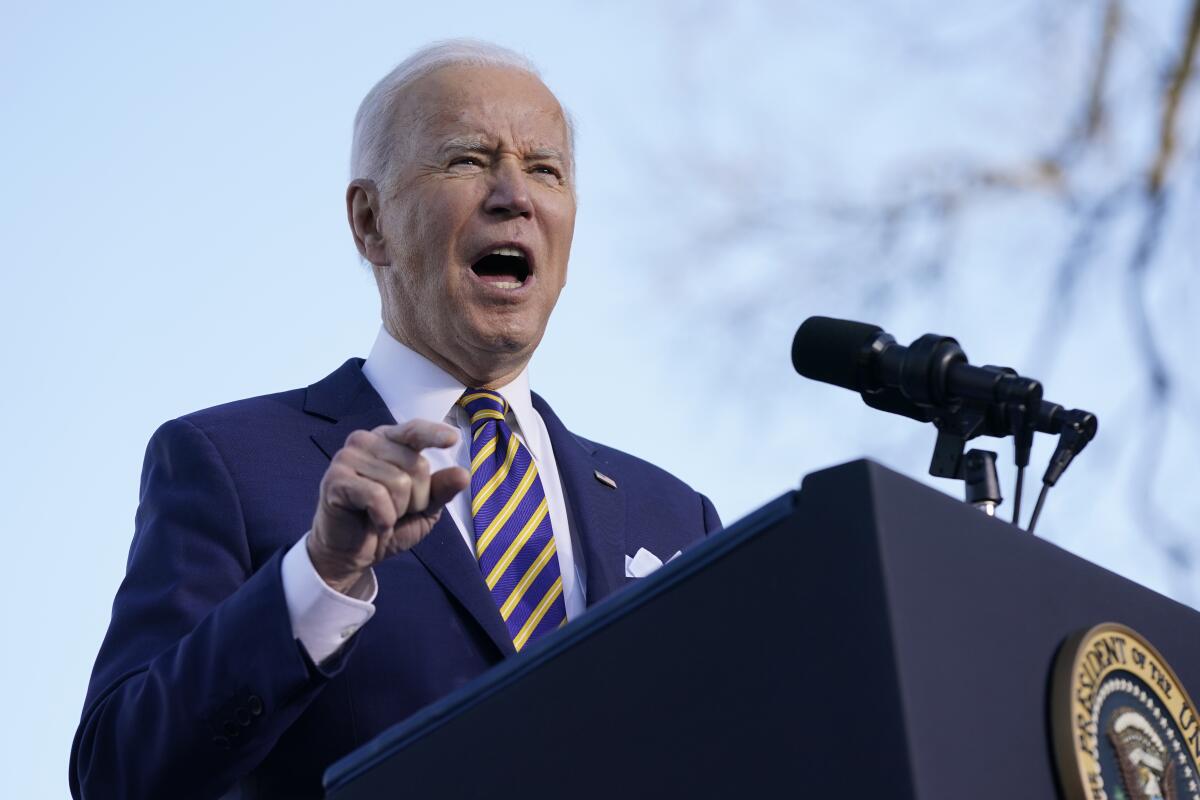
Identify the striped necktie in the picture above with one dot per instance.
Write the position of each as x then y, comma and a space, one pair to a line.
514, 542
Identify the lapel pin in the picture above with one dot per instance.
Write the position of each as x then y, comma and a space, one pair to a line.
607, 481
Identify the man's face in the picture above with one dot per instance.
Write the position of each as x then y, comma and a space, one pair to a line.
477, 214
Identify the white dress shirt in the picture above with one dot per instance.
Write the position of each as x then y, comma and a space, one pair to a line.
413, 387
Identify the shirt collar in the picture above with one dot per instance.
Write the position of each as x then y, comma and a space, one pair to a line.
413, 387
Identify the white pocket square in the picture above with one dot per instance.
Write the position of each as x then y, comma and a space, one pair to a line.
643, 562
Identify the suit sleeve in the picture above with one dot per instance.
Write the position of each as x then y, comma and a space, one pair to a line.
199, 673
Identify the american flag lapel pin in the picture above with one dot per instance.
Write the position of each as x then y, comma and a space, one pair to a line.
607, 481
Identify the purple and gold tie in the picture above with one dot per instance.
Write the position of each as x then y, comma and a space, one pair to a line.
514, 542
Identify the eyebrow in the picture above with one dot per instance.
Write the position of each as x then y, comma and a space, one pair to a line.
478, 144
545, 153
471, 143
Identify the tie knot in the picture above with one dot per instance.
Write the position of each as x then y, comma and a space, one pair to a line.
483, 404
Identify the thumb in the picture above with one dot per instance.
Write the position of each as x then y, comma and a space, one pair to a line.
445, 484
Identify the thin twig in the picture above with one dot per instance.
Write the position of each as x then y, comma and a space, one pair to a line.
1095, 109
1181, 76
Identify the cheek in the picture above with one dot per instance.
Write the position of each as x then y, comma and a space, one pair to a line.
436, 214
428, 247
428, 225
563, 222
562, 231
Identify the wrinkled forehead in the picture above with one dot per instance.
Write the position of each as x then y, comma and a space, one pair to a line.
496, 105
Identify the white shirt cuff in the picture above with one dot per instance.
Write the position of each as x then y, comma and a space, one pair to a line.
323, 619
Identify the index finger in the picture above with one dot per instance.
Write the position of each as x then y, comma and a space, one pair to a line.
421, 433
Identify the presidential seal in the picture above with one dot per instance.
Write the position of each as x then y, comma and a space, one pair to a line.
1123, 726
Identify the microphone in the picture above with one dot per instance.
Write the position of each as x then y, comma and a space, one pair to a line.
931, 372
1076, 429
931, 381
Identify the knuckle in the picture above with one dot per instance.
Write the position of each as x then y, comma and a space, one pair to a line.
378, 493
338, 472
359, 438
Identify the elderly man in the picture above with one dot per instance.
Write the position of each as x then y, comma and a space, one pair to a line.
311, 567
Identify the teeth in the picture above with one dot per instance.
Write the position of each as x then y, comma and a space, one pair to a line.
507, 251
507, 284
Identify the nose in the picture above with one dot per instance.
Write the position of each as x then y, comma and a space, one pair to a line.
508, 193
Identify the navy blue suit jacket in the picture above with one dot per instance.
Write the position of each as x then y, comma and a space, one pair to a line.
200, 687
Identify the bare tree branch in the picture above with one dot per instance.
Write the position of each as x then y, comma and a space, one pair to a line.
1117, 204
1095, 111
1181, 77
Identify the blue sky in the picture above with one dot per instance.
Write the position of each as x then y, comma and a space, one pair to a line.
172, 236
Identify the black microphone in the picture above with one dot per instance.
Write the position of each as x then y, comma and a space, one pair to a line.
931, 381
932, 372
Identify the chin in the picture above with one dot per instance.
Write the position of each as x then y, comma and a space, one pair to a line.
506, 343
512, 338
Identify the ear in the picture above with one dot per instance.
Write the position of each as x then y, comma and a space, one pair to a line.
362, 211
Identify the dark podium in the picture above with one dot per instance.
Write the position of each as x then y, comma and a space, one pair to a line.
866, 636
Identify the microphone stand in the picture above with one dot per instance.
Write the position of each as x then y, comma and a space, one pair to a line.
983, 482
1007, 415
976, 468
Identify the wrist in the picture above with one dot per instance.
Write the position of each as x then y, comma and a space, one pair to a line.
337, 574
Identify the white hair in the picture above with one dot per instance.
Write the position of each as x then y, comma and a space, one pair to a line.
372, 144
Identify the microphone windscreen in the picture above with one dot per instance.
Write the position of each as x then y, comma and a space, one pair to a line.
828, 350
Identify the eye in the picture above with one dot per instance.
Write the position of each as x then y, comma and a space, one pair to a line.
466, 162
547, 169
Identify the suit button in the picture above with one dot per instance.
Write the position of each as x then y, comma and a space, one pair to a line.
256, 704
221, 742
242, 716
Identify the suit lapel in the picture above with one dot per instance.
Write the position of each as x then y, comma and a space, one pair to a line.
347, 400
445, 554
597, 509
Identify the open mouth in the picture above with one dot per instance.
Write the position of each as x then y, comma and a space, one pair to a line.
503, 268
